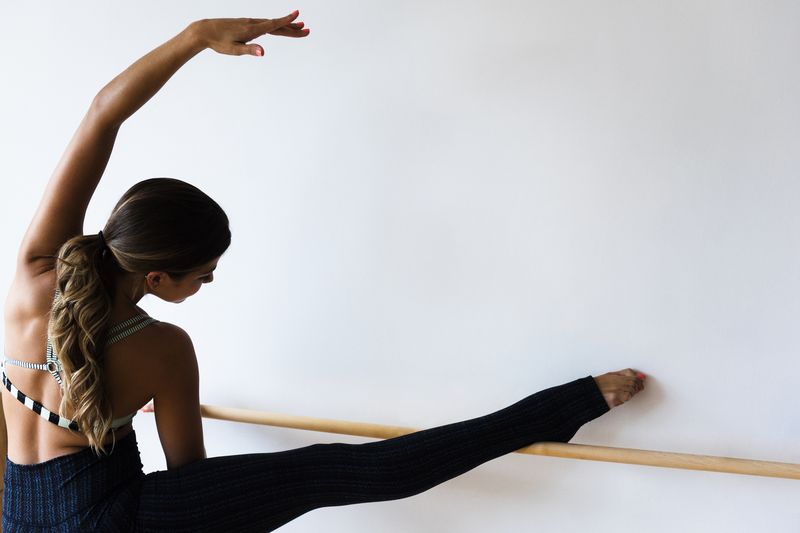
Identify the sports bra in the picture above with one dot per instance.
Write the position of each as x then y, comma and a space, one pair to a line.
53, 365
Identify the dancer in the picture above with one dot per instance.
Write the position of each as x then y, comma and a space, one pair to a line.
72, 460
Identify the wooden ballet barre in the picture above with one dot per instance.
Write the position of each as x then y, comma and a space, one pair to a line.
685, 461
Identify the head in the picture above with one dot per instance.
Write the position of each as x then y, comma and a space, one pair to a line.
164, 232
168, 232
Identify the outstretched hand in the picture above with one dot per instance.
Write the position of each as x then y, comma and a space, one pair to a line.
230, 36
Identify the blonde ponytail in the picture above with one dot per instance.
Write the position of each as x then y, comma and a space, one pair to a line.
77, 330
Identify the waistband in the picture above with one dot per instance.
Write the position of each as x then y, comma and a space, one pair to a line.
52, 491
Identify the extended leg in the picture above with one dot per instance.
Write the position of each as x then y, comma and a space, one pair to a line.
262, 491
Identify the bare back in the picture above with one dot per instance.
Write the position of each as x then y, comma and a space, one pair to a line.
130, 366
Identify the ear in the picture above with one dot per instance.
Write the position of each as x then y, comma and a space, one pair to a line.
154, 279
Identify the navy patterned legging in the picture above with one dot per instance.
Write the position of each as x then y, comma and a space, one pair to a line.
262, 491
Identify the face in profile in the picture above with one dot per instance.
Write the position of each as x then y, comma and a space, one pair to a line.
176, 291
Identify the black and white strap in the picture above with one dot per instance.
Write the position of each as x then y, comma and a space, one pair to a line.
38, 408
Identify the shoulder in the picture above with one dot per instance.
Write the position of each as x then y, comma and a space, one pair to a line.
172, 340
174, 348
171, 335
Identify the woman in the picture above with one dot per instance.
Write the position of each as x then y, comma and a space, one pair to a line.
76, 466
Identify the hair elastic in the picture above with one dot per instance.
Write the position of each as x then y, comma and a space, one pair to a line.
102, 241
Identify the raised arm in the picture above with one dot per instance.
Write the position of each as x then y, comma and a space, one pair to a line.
61, 213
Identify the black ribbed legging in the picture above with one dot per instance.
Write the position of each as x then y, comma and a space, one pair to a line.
262, 491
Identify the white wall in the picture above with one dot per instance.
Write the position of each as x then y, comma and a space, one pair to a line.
441, 207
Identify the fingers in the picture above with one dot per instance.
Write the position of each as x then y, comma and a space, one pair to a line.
282, 26
270, 25
290, 17
233, 36
289, 31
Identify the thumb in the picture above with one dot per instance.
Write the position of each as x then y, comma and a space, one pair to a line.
246, 50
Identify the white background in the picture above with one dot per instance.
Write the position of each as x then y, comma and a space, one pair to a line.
440, 207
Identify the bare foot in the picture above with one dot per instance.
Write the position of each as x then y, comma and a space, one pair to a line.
619, 387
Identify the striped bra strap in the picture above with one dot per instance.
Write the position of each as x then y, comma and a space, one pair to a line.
115, 334
130, 326
50, 416
53, 365
37, 407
